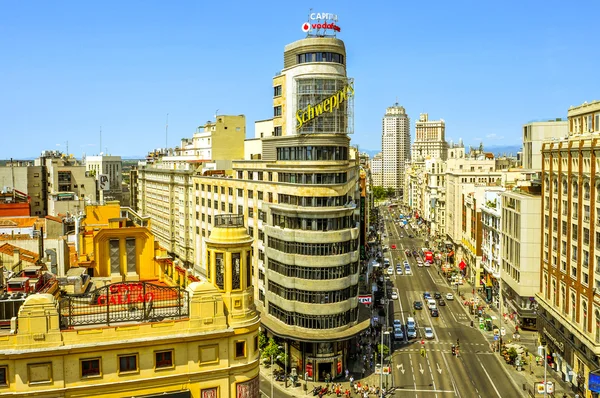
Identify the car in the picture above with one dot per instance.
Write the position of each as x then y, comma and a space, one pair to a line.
431, 304
390, 271
426, 295
407, 271
449, 296
411, 332
397, 323
419, 263
393, 246
437, 295
411, 236
441, 302
401, 235
418, 305
394, 295
427, 264
399, 270
398, 333
428, 333
434, 312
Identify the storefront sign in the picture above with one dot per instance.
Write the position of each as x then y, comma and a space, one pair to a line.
125, 293
321, 20
248, 389
594, 382
559, 344
365, 299
328, 105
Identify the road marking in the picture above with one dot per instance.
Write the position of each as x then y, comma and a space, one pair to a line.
415, 390
401, 367
451, 377
438, 368
488, 376
421, 368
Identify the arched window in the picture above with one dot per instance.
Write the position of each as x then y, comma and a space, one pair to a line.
584, 314
575, 189
565, 187
573, 308
547, 184
586, 190
597, 192
555, 185
554, 292
563, 303
597, 316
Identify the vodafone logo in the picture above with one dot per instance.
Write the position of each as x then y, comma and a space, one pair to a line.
305, 27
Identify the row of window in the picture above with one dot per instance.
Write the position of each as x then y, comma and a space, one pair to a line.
314, 321
313, 153
313, 297
320, 57
314, 224
126, 364
313, 249
320, 273
314, 201
313, 178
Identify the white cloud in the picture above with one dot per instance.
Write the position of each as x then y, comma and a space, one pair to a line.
494, 137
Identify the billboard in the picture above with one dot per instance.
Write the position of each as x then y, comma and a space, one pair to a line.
324, 105
103, 183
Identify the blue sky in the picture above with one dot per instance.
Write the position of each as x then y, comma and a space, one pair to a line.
486, 68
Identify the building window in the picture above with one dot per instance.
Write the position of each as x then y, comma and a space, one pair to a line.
584, 315
90, 367
277, 131
277, 91
277, 110
573, 308
131, 255
115, 256
3, 375
163, 359
128, 363
236, 271
240, 349
220, 270
230, 191
597, 316
39, 373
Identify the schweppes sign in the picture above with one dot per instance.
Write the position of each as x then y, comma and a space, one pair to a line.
328, 105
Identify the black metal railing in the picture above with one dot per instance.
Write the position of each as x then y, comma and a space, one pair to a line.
124, 302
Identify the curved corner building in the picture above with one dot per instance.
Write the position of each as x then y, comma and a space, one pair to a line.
309, 273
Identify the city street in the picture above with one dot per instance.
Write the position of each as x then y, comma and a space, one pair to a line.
475, 371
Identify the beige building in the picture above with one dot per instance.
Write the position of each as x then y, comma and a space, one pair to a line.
29, 179
534, 135
108, 171
395, 144
377, 170
299, 197
430, 139
519, 252
163, 182
569, 299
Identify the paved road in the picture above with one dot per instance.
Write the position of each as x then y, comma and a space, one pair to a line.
476, 372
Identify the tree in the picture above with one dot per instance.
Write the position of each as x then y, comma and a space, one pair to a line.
383, 347
390, 192
378, 193
273, 349
263, 341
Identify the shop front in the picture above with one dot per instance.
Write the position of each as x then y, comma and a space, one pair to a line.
559, 354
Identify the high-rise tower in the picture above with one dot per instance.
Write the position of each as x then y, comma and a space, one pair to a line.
395, 142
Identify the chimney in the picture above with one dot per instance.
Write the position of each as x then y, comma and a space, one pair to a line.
16, 256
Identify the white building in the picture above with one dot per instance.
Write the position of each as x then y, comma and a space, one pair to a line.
430, 139
534, 134
108, 171
395, 142
377, 170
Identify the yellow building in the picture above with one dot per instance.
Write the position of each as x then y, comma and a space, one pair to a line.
143, 330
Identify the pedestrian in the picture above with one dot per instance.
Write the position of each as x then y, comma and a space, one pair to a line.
347, 373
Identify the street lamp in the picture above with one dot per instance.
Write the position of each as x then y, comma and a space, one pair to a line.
272, 375
544, 350
381, 374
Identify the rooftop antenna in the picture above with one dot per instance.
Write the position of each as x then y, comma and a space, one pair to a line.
167, 132
67, 149
100, 147
216, 113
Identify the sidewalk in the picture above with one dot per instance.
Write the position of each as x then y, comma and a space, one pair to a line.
530, 373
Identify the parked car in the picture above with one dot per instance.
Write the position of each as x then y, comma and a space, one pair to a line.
399, 270
390, 271
394, 295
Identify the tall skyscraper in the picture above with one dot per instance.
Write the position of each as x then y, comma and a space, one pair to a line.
395, 142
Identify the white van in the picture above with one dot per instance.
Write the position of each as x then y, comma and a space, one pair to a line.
431, 304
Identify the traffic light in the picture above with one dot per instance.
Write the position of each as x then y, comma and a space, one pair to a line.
453, 349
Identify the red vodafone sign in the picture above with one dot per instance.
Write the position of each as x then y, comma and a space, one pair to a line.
320, 22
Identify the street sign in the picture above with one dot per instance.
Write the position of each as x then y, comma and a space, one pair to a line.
386, 370
502, 331
496, 337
